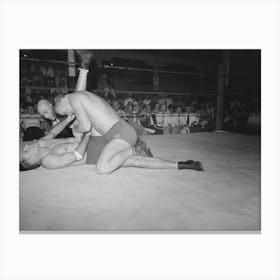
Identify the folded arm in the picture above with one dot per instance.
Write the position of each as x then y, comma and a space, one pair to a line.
57, 161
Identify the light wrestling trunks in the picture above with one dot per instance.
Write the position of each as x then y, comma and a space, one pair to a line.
123, 131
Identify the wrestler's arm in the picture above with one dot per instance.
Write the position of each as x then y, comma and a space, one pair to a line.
58, 128
83, 123
57, 161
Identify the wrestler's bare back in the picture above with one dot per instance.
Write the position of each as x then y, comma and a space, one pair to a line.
101, 115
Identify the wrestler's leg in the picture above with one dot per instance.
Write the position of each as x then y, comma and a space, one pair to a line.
114, 154
149, 162
156, 163
86, 57
81, 84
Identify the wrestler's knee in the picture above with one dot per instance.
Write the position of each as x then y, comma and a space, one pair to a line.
103, 168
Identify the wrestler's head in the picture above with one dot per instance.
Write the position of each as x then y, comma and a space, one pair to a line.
31, 156
63, 106
45, 109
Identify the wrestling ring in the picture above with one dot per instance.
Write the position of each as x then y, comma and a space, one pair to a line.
226, 197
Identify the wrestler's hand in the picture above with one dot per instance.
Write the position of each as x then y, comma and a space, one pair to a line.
70, 118
74, 125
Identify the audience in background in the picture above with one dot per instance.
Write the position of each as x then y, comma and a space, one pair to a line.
149, 114
116, 106
165, 100
147, 100
105, 85
148, 119
127, 100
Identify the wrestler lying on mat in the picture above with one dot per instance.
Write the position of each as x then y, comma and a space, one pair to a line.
56, 153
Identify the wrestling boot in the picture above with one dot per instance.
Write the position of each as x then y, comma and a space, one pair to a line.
86, 57
190, 164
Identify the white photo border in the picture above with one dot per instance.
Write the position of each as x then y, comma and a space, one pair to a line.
139, 24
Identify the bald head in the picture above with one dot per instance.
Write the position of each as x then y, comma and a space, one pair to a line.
45, 109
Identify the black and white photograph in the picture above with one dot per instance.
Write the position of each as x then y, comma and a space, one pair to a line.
140, 140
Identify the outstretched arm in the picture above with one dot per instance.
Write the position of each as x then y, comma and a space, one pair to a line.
58, 128
58, 161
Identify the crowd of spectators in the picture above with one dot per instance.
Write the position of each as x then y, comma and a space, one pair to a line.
149, 114
162, 114
243, 117
43, 75
41, 80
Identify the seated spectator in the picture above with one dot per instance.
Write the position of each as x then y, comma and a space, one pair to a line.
206, 120
136, 113
253, 124
49, 71
24, 77
37, 78
106, 86
50, 81
164, 119
148, 120
134, 120
211, 110
165, 100
128, 110
43, 69
31, 125
156, 108
191, 119
173, 127
127, 100
109, 91
179, 121
146, 100
194, 118
28, 98
57, 77
62, 82
179, 101
116, 106
194, 104
235, 119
